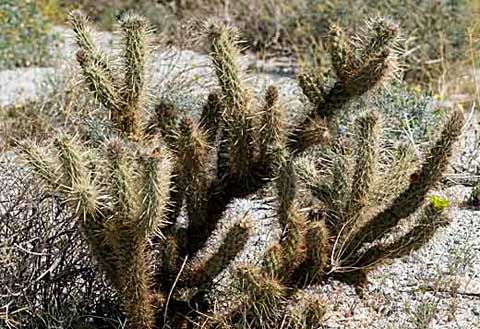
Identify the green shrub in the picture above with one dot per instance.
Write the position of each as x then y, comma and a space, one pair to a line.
25, 37
417, 121
153, 196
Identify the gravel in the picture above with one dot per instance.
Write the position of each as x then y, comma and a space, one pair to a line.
436, 287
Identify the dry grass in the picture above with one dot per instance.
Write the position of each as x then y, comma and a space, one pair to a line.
47, 278
433, 31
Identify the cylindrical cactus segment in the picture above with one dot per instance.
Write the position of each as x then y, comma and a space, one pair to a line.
224, 54
421, 181
367, 134
312, 88
210, 117
82, 30
382, 33
272, 131
342, 54
237, 116
155, 188
318, 249
96, 67
135, 51
203, 271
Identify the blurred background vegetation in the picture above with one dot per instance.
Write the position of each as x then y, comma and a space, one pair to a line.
436, 33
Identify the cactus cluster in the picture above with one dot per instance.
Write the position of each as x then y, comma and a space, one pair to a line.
150, 193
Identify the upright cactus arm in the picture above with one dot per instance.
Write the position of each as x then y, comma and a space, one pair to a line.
366, 152
83, 36
381, 34
155, 182
96, 67
122, 177
312, 86
425, 178
237, 117
194, 178
293, 222
124, 99
342, 54
135, 51
272, 134
224, 54
210, 117
318, 248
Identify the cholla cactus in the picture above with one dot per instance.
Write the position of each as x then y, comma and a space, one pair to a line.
119, 189
138, 182
361, 214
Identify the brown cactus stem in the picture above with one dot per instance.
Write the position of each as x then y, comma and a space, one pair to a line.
210, 117
219, 194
